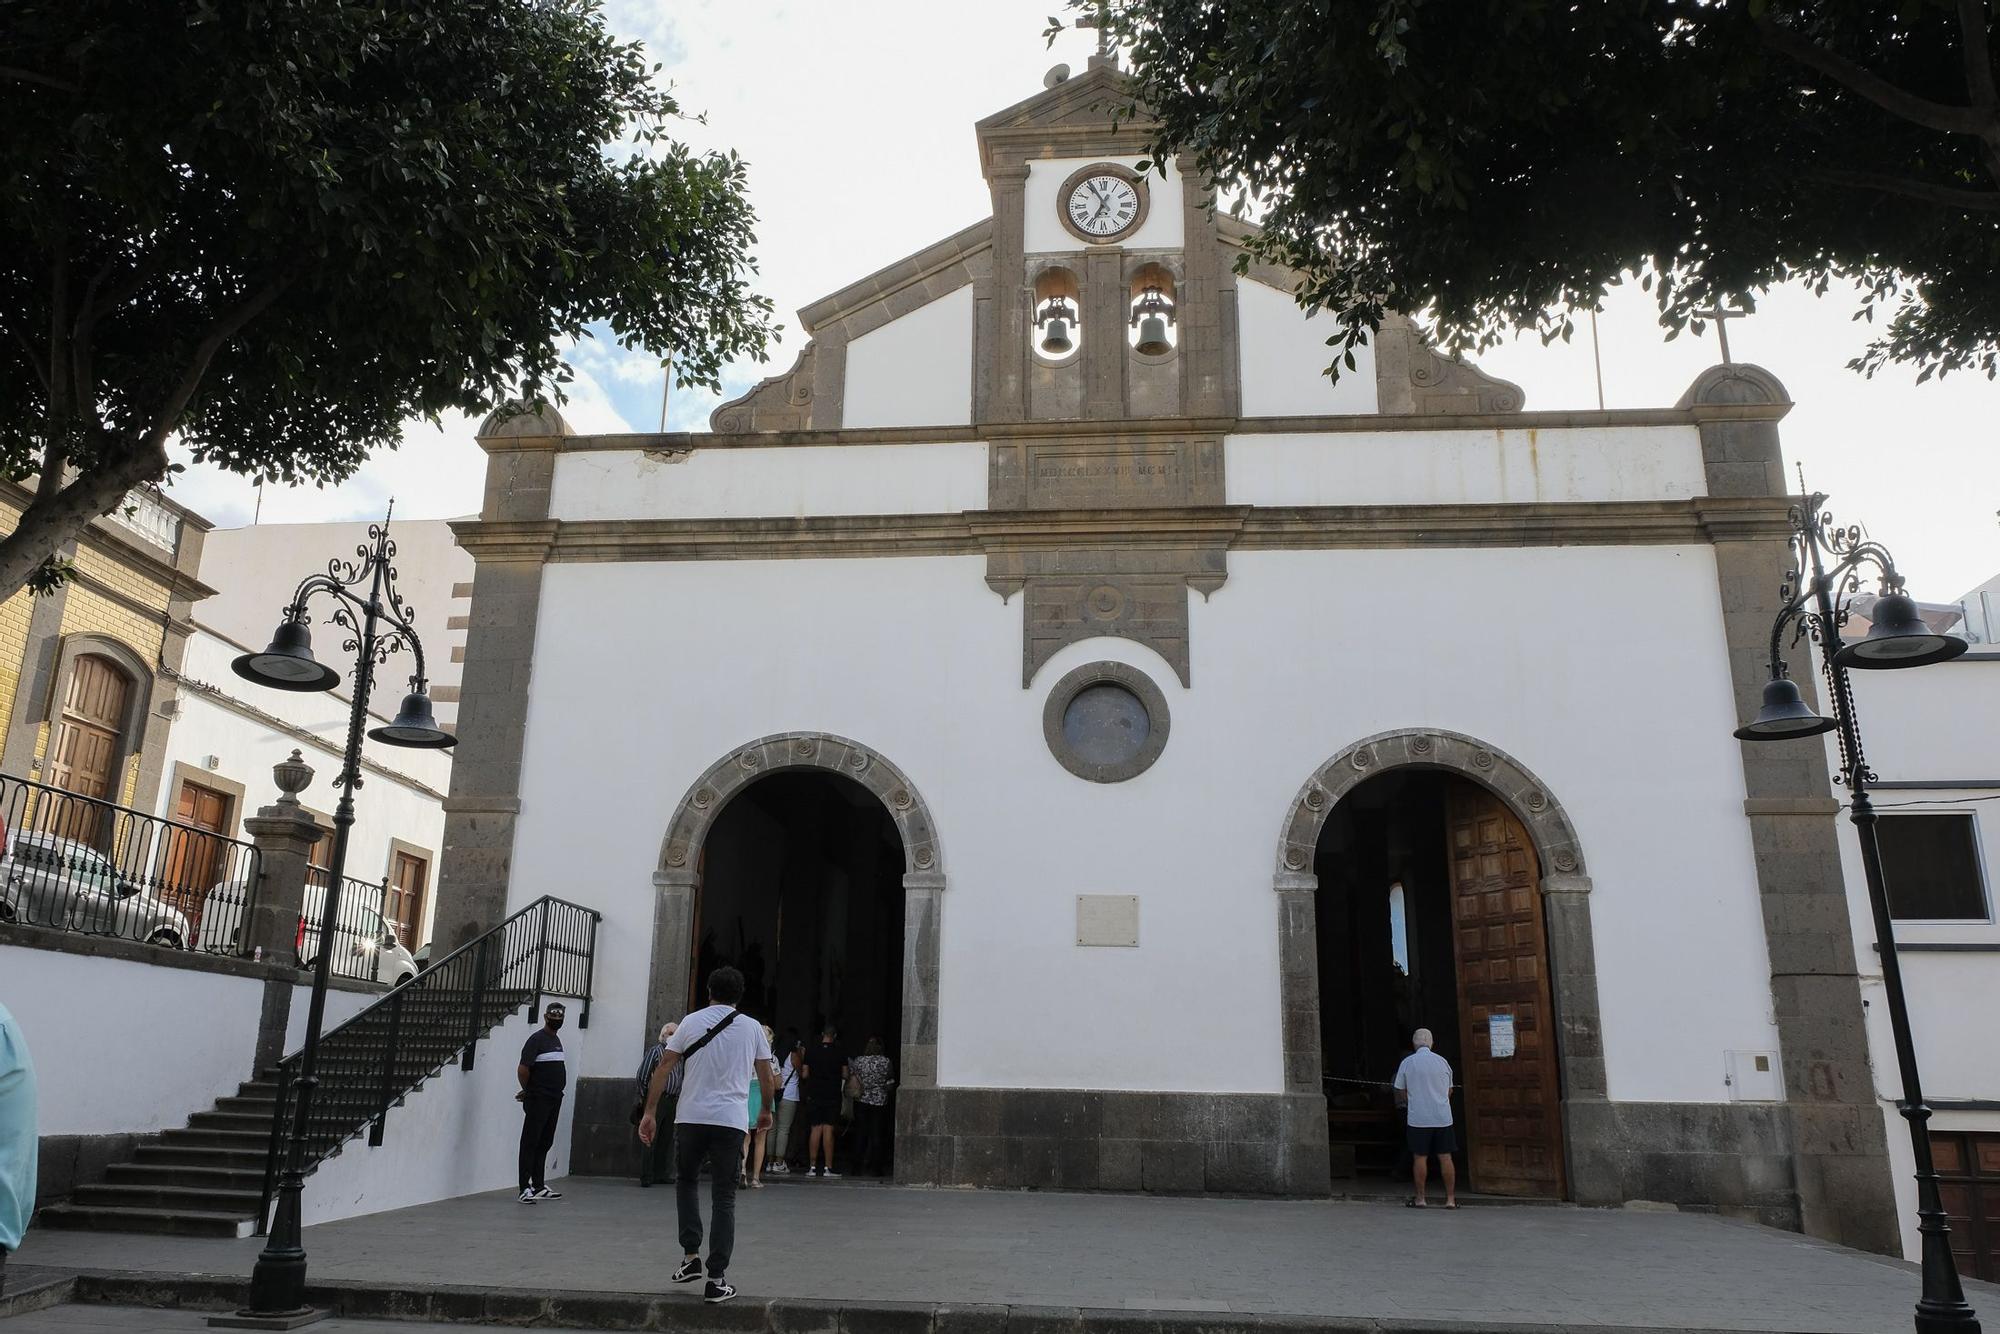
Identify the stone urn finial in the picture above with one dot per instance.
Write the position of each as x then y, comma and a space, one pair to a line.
293, 776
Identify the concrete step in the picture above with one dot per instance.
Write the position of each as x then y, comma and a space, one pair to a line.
243, 1141
253, 1123
175, 1222
181, 1174
175, 1199
251, 1105
201, 1156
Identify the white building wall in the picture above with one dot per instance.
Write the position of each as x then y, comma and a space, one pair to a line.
244, 749
1163, 229
1588, 464
915, 370
1938, 724
124, 1047
785, 482
918, 660
1284, 356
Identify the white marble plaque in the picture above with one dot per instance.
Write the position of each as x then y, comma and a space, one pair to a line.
1107, 919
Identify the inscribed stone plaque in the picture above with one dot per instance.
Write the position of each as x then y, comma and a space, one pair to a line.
1107, 919
1111, 471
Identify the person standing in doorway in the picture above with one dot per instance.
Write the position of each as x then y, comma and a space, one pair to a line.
721, 1051
656, 1160
544, 1076
19, 1145
791, 1054
1423, 1087
825, 1073
871, 1110
757, 1134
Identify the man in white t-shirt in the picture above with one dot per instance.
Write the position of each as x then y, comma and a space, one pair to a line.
720, 1050
1423, 1085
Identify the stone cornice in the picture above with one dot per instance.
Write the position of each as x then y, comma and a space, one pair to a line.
932, 259
683, 442
1239, 527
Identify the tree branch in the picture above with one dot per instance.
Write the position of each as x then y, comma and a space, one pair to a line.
52, 518
19, 75
1975, 201
1917, 110
224, 329
34, 360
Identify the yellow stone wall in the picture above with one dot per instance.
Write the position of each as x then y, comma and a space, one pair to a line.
14, 613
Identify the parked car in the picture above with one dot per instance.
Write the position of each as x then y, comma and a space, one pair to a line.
365, 946
61, 882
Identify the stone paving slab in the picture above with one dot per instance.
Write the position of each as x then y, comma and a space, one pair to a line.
1145, 1259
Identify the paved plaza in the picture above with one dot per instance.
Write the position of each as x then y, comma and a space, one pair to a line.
883, 1247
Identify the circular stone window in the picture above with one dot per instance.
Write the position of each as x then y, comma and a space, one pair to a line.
1106, 722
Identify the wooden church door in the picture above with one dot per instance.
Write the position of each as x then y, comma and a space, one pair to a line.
1513, 1108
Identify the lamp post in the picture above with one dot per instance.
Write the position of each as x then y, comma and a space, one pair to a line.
1829, 561
378, 624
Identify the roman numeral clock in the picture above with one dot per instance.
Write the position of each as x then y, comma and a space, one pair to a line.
1103, 202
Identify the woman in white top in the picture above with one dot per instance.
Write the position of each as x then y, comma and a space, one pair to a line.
788, 1106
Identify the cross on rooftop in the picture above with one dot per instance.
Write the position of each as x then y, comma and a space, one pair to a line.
1722, 315
1101, 21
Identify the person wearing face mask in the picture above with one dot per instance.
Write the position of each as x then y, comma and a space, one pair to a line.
544, 1076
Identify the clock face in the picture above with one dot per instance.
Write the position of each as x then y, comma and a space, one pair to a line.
1103, 205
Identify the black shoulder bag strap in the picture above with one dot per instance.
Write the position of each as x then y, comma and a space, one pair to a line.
709, 1036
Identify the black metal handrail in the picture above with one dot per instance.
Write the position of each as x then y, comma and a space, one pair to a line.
76, 863
547, 949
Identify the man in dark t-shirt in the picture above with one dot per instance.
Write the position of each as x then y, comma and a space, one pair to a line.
825, 1072
544, 1074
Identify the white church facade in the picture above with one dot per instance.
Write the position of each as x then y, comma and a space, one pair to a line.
1057, 677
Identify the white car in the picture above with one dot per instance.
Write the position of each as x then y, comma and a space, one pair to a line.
61, 882
365, 946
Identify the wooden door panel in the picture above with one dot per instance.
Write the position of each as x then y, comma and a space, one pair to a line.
1512, 1104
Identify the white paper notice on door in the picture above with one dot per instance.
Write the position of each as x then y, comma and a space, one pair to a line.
1500, 1035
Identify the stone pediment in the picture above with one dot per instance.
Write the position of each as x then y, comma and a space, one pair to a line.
1081, 116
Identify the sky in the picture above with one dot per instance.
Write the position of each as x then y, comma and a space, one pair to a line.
856, 121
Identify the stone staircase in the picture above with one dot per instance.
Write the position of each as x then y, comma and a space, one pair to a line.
208, 1179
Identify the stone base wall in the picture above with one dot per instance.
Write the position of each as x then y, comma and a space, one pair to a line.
1728, 1158
64, 1162
1075, 1139
602, 1142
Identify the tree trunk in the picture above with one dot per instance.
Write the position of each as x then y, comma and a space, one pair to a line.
56, 516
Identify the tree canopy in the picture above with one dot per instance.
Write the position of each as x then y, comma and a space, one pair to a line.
277, 229
1496, 164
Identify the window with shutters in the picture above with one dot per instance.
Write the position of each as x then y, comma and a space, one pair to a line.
1930, 866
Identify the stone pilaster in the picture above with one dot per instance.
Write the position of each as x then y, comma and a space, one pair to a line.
284, 834
667, 997
509, 544
1001, 328
1834, 1123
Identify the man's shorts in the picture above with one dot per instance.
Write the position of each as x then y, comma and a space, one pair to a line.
1428, 1140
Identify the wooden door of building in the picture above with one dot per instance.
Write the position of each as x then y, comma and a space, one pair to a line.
1968, 1167
408, 874
192, 862
84, 748
1513, 1110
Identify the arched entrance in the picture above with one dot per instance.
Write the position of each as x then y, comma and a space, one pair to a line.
822, 827
1429, 880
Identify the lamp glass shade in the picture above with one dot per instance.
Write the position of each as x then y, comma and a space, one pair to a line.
413, 726
288, 664
1784, 715
1899, 637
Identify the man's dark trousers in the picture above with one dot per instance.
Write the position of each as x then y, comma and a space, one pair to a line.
722, 1147
657, 1162
539, 1113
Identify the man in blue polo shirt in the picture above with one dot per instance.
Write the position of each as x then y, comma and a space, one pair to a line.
1423, 1085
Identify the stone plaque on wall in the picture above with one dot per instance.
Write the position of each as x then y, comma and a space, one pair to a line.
1107, 919
1110, 471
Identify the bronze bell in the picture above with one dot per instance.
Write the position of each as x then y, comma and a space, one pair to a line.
1055, 337
1152, 312
1153, 336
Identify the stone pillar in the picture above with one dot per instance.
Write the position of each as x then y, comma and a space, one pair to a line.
284, 834
923, 895
510, 543
673, 946
1001, 394
1838, 1141
1298, 982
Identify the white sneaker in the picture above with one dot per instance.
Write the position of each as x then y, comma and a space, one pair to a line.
546, 1194
831, 1175
528, 1196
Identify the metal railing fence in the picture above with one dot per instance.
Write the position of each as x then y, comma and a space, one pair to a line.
76, 863
359, 932
547, 949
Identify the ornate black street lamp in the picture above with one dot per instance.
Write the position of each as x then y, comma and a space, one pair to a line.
377, 625
1816, 598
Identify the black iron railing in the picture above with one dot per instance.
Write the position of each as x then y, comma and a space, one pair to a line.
360, 935
76, 863
548, 949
